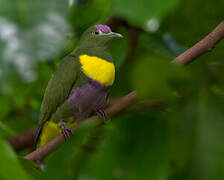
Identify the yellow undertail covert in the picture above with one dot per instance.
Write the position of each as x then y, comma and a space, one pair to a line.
51, 130
98, 69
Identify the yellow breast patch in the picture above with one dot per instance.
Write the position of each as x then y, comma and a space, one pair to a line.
98, 69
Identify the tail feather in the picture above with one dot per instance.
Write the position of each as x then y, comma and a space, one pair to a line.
37, 137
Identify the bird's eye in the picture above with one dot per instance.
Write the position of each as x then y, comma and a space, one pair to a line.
96, 32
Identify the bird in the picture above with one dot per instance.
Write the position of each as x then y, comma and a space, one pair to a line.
79, 86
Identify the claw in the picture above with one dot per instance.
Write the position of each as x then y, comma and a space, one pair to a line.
67, 132
101, 114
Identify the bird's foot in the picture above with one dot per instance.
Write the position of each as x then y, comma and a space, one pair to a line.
67, 132
101, 114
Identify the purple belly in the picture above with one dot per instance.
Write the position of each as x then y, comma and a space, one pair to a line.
89, 98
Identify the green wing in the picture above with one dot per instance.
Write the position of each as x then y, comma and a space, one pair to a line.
59, 87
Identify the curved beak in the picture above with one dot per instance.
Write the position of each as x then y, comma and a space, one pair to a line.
116, 35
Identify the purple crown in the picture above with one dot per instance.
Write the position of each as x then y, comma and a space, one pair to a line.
103, 28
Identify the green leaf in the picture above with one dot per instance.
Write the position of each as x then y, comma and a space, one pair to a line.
132, 150
7, 129
154, 76
138, 12
6, 105
30, 167
10, 167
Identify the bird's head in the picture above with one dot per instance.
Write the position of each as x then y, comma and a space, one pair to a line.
99, 35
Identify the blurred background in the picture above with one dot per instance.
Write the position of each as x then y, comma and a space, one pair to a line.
181, 138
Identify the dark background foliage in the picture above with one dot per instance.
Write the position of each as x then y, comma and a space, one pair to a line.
183, 140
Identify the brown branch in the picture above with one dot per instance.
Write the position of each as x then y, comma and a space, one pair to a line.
23, 140
26, 139
113, 110
202, 47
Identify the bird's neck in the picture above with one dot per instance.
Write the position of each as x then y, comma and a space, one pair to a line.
94, 50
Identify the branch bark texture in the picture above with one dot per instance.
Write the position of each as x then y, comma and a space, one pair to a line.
111, 111
202, 47
23, 140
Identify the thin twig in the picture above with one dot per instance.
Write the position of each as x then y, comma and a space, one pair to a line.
202, 47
